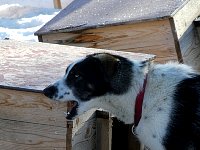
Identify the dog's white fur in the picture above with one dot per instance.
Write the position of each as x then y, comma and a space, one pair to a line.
161, 82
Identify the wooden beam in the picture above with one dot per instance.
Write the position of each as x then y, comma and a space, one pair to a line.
104, 130
176, 40
18, 135
185, 34
31, 121
82, 132
151, 37
57, 4
184, 16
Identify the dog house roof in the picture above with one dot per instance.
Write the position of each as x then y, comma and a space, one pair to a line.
84, 14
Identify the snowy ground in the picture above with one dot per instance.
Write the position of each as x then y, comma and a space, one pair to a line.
19, 19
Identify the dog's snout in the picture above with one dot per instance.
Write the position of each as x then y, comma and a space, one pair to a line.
50, 91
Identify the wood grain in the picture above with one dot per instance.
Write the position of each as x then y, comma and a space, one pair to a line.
186, 34
31, 121
84, 131
19, 135
184, 16
57, 4
104, 132
151, 37
33, 66
31, 107
190, 47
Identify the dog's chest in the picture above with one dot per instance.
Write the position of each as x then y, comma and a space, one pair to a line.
152, 129
155, 118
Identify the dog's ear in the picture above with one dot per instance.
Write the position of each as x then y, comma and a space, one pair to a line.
109, 64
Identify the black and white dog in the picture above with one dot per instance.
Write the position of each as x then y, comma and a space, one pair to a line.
163, 100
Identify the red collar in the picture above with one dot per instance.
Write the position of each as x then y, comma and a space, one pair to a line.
138, 104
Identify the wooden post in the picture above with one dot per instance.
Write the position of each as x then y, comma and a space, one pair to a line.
57, 4
103, 131
69, 135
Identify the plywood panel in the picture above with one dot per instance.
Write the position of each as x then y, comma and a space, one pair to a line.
31, 121
19, 135
81, 133
190, 47
104, 131
185, 34
31, 107
33, 66
184, 16
151, 37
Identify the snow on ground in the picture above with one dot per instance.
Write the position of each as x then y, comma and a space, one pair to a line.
19, 22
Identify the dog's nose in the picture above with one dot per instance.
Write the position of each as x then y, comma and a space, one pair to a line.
50, 91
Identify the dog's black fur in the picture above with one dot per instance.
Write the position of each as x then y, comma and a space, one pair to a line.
183, 131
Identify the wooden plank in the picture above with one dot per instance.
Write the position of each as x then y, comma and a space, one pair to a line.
57, 4
31, 107
176, 41
69, 135
184, 16
190, 47
151, 37
186, 41
32, 119
33, 66
104, 131
84, 131
19, 135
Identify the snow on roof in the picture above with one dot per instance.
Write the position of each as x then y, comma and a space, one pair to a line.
83, 14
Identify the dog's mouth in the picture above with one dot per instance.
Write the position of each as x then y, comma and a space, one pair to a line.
72, 107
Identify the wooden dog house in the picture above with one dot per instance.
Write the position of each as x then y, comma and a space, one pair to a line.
162, 27
28, 120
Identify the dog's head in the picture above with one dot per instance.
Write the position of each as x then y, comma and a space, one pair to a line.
94, 76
